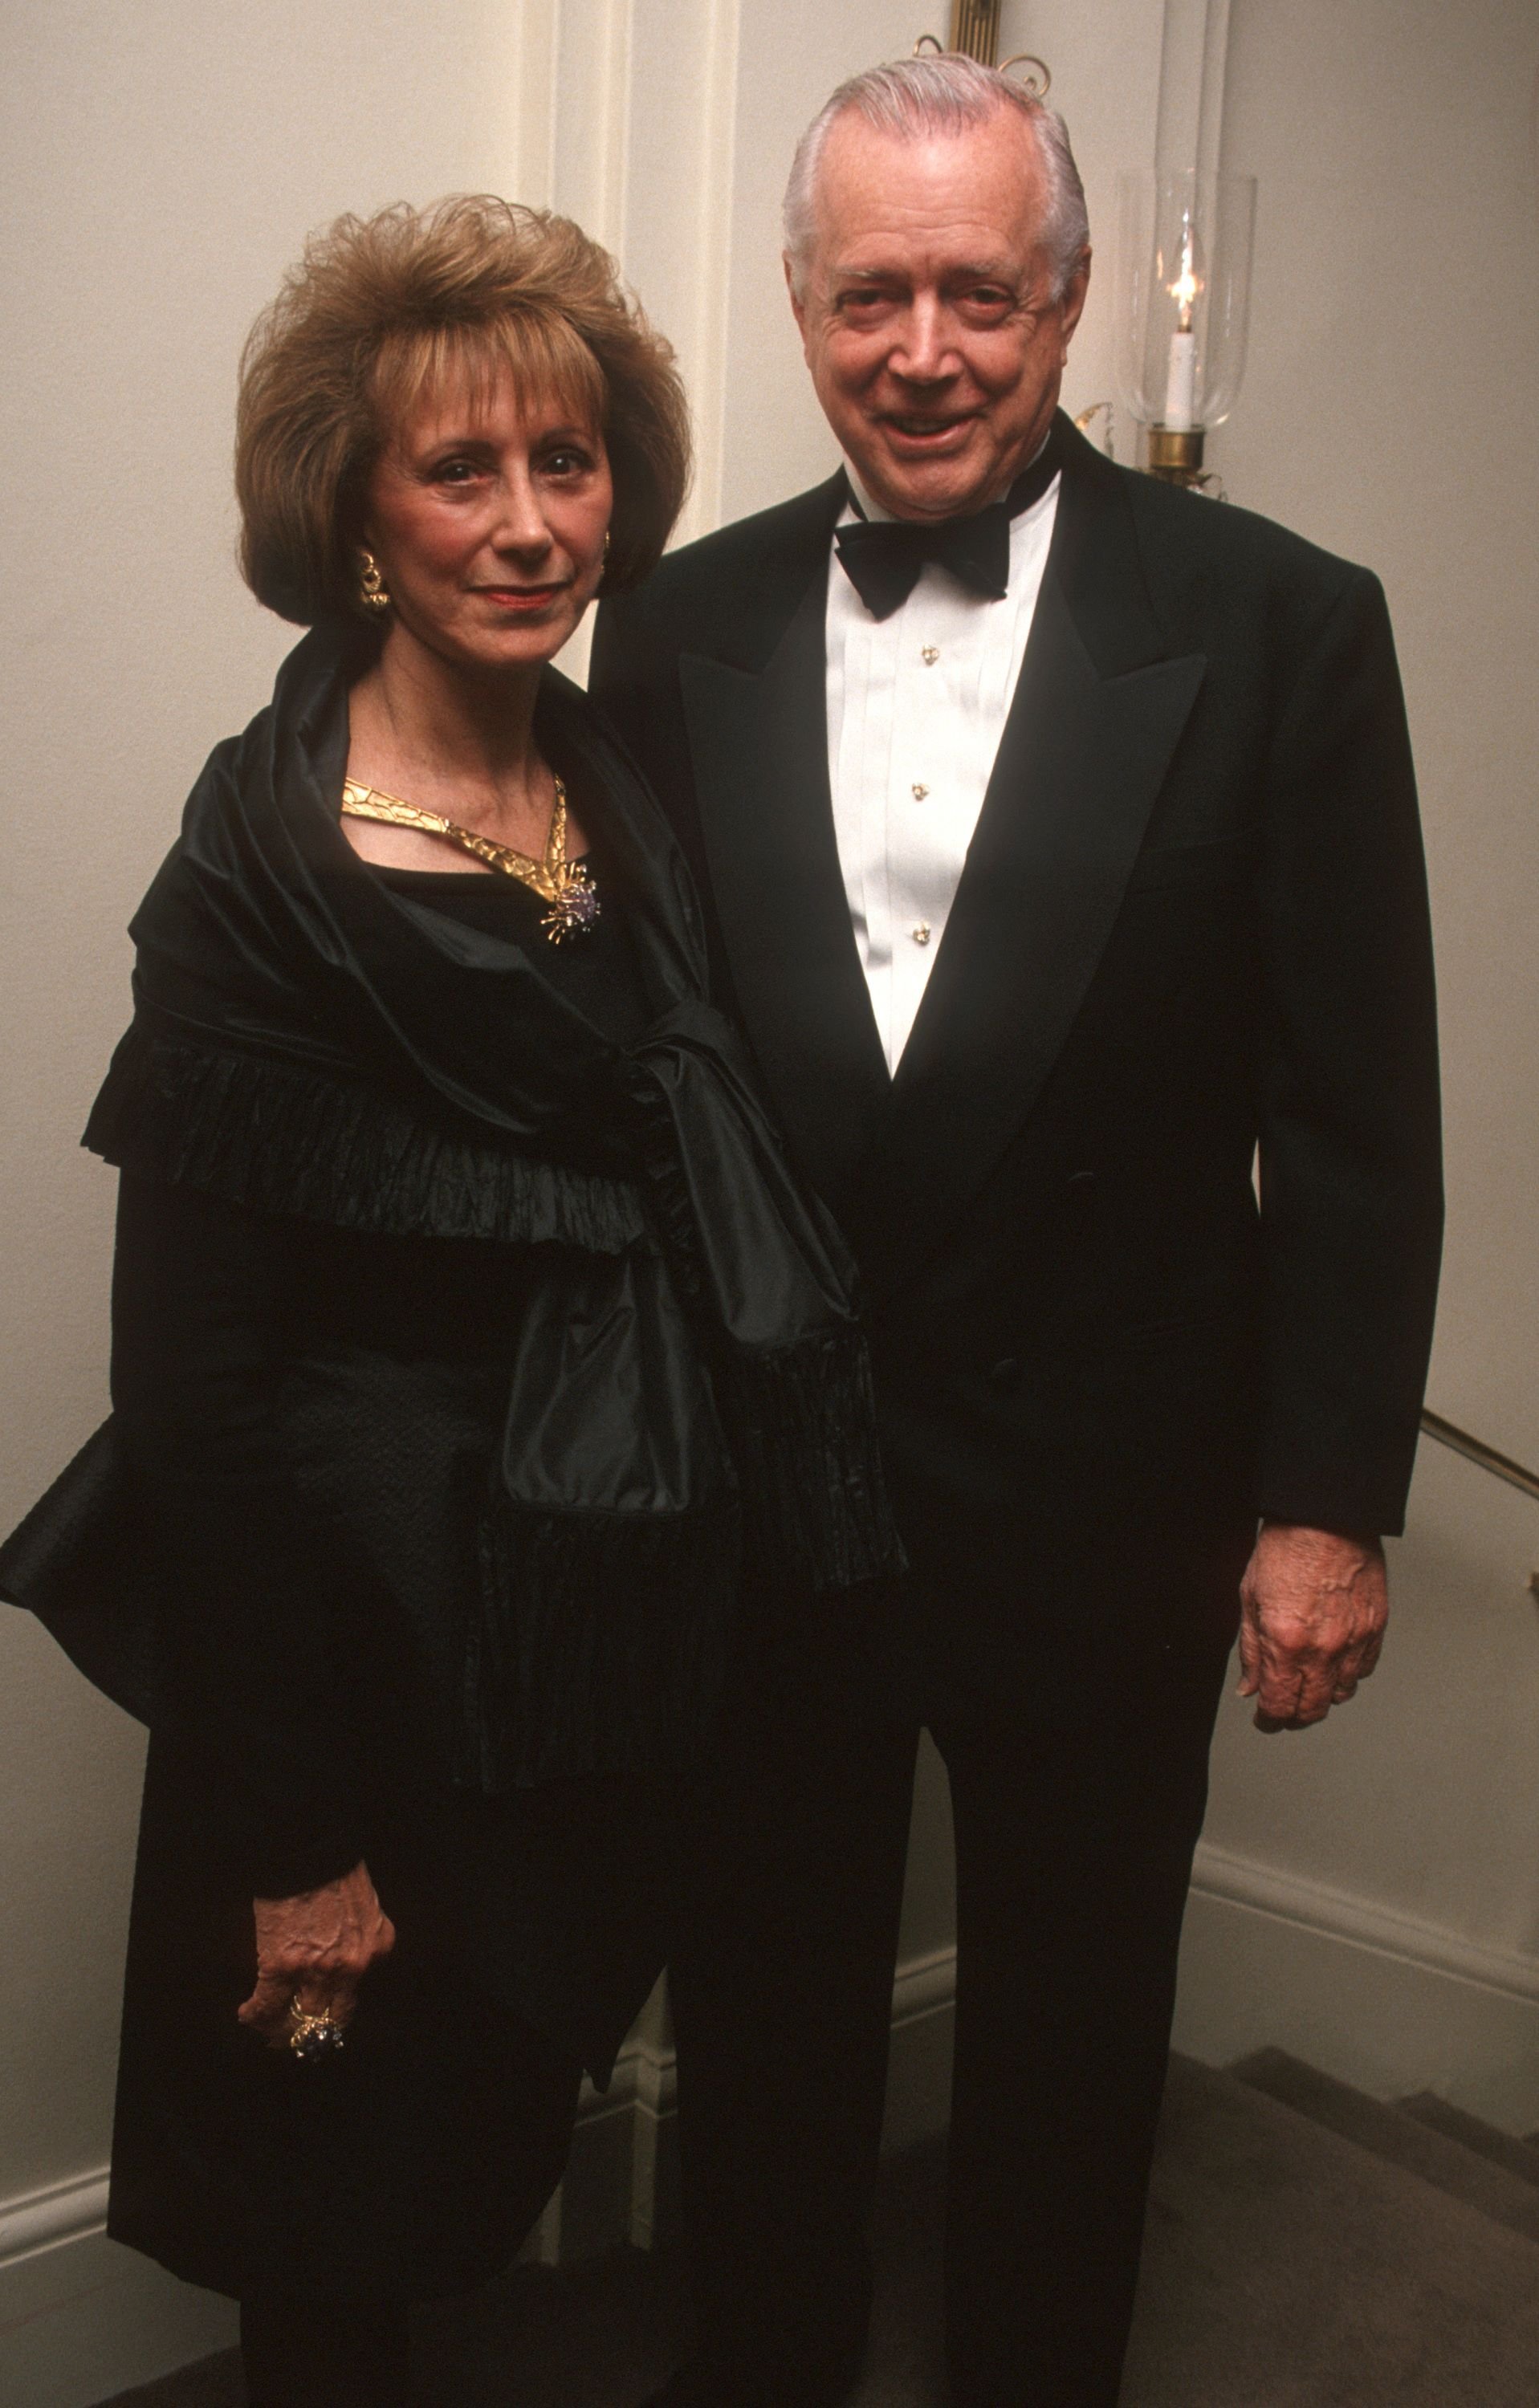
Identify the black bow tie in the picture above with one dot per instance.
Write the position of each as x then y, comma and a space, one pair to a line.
883, 558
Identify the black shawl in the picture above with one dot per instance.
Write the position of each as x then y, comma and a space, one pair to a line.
691, 1380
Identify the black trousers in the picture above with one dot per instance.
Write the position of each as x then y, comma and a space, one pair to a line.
1077, 1804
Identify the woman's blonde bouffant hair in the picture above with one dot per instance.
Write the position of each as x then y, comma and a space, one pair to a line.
380, 310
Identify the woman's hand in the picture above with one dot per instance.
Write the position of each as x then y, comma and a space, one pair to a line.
315, 1949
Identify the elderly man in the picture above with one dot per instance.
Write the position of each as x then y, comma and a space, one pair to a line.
1059, 842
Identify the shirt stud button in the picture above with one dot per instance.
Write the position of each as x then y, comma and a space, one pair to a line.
919, 792
929, 654
921, 934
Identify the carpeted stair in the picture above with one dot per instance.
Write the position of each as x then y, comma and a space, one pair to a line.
1307, 2248
1440, 2156
1518, 2156
1292, 2264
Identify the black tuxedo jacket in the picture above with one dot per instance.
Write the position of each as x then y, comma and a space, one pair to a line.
1192, 922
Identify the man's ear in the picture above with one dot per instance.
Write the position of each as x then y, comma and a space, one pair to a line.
1073, 305
799, 307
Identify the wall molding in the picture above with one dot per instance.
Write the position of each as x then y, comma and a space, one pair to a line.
1338, 1914
706, 341
1387, 2000
592, 117
51, 2218
533, 179
622, 2182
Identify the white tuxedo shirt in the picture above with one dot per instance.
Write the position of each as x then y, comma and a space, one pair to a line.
917, 705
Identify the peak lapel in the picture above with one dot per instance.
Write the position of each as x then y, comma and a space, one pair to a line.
1096, 717
759, 748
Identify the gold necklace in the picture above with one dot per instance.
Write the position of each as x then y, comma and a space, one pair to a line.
563, 884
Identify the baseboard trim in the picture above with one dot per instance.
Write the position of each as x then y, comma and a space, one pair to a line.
48, 2219
1240, 1881
1384, 2000
926, 1986
621, 2182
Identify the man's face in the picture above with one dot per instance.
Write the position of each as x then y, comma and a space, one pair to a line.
924, 315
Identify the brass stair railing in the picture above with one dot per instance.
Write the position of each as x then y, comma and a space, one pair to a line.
1501, 1466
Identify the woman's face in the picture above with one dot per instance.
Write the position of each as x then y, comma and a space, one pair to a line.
487, 518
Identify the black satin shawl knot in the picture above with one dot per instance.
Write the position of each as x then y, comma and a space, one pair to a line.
692, 1377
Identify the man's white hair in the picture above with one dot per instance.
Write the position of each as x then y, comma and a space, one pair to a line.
912, 97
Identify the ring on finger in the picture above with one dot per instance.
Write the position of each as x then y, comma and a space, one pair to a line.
313, 2037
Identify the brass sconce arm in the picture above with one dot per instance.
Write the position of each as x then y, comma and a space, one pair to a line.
976, 34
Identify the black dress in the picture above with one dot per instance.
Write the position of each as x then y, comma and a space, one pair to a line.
472, 1334
312, 1411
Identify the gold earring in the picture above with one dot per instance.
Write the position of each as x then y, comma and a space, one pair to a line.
606, 550
371, 586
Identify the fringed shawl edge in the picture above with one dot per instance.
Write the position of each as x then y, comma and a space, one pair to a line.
298, 1143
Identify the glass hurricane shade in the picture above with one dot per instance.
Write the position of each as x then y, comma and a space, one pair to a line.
1182, 295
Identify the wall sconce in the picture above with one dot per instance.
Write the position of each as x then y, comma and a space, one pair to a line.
1183, 307
975, 32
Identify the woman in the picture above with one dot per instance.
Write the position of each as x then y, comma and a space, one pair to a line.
469, 1328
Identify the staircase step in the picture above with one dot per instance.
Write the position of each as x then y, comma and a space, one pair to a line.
1521, 2157
1288, 2268
208, 2383
1398, 2139
1285, 2268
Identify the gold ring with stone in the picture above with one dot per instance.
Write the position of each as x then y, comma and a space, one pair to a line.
313, 2037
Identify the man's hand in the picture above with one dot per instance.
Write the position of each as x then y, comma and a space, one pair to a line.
315, 1949
1313, 1611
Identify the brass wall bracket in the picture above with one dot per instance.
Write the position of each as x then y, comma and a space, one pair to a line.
975, 32
975, 29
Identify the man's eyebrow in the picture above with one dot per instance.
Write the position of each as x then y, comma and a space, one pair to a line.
983, 271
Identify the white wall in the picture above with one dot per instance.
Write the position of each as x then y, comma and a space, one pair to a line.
1388, 413
1366, 1893
161, 165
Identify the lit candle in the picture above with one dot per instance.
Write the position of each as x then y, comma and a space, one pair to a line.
1181, 380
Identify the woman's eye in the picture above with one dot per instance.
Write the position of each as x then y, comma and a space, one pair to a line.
568, 461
